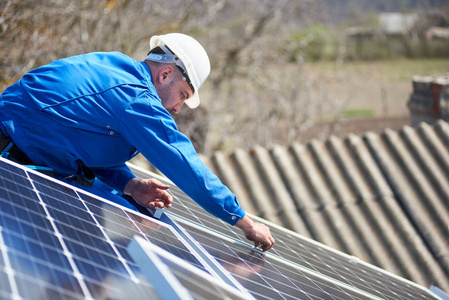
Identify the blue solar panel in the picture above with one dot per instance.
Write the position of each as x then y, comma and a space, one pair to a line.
57, 242
61, 243
267, 277
299, 252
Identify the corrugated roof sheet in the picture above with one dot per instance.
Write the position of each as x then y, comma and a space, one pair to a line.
383, 198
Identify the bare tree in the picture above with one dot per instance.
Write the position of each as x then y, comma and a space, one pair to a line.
253, 87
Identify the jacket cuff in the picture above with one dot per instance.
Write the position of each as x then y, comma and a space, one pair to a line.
235, 216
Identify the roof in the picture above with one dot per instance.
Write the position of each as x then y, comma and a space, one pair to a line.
397, 23
383, 198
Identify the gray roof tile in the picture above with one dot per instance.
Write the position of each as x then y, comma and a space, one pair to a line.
383, 198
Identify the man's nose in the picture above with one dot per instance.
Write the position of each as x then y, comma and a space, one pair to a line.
177, 107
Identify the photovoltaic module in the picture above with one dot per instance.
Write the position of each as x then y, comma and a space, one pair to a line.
58, 242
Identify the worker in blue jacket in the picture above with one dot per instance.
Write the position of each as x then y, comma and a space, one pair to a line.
85, 116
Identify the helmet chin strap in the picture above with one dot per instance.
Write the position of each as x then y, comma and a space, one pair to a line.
163, 58
168, 57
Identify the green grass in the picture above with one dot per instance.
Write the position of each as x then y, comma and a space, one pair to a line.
388, 70
357, 113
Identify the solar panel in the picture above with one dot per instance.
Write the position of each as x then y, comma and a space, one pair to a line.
299, 252
267, 277
57, 242
185, 207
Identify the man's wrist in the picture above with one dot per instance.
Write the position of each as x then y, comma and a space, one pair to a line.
130, 186
245, 223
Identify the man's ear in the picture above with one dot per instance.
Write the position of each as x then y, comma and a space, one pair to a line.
165, 73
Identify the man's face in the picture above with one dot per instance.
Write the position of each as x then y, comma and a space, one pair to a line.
173, 91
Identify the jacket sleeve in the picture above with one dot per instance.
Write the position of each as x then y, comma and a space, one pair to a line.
116, 177
150, 128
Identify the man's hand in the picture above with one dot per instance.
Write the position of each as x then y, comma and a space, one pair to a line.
150, 193
257, 232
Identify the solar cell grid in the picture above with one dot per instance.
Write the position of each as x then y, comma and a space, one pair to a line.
26, 234
344, 268
185, 207
266, 277
29, 259
60, 243
57, 242
305, 253
82, 218
157, 233
327, 262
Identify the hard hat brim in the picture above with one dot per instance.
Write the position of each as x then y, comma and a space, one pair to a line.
194, 101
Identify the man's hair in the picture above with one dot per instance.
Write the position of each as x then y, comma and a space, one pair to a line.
156, 50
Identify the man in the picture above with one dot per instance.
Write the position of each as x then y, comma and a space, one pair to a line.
83, 117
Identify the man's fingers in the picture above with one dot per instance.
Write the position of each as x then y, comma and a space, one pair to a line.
265, 246
157, 184
156, 204
166, 198
160, 203
167, 202
265, 241
257, 232
150, 193
271, 244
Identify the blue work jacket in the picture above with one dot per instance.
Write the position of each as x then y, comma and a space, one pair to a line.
100, 110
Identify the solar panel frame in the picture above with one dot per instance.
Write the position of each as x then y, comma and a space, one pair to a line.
166, 284
176, 271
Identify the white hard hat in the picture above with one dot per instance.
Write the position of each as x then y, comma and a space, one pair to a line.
193, 57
